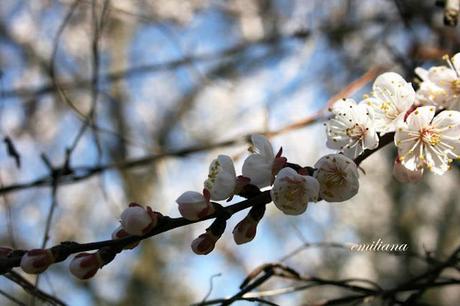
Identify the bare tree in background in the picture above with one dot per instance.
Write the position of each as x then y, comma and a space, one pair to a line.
105, 102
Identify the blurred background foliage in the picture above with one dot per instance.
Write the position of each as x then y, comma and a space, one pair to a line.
127, 86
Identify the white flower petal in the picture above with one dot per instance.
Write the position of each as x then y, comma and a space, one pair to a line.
371, 140
221, 180
436, 163
441, 75
456, 61
263, 146
421, 117
421, 73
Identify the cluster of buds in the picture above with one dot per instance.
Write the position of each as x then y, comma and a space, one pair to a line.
259, 170
135, 220
335, 179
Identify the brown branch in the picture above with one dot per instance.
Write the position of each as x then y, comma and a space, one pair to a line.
112, 247
171, 65
32, 290
383, 141
425, 281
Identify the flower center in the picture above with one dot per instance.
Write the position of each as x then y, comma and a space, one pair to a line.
428, 136
294, 192
213, 172
385, 106
356, 131
335, 177
455, 86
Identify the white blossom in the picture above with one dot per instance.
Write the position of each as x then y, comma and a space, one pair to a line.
428, 141
221, 180
194, 206
440, 85
391, 98
338, 177
137, 220
351, 129
262, 165
85, 265
404, 175
36, 261
291, 191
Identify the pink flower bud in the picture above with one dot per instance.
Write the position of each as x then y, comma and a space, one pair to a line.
36, 261
5, 251
404, 175
85, 265
194, 206
204, 244
136, 220
245, 230
119, 233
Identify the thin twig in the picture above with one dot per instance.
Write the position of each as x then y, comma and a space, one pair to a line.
31, 289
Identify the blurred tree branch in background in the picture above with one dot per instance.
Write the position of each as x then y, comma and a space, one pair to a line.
109, 102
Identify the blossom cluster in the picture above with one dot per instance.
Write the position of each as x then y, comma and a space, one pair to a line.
425, 123
425, 126
334, 179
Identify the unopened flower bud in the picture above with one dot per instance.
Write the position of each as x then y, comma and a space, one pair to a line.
137, 220
85, 265
36, 261
194, 205
338, 177
245, 230
404, 175
291, 191
204, 244
119, 233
